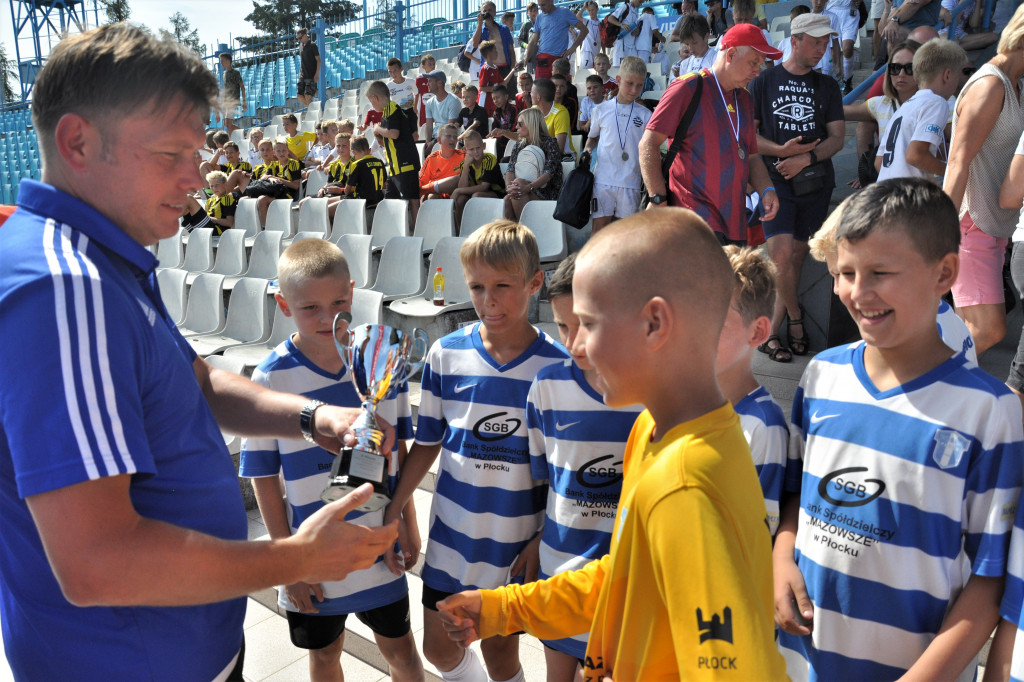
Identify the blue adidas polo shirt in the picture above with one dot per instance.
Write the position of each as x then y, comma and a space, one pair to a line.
95, 381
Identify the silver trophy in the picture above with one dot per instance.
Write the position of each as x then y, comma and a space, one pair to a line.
378, 358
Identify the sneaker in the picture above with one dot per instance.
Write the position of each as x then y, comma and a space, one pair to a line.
848, 85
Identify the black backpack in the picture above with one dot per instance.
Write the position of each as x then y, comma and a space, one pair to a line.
463, 59
573, 207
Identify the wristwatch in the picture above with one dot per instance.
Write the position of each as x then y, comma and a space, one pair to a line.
306, 419
658, 199
895, 18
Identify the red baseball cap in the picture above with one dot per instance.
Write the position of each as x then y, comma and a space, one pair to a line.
748, 35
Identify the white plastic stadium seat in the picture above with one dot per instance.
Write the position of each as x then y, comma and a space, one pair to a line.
266, 251
254, 352
390, 219
456, 294
435, 219
358, 253
246, 319
279, 217
170, 252
550, 233
247, 219
316, 180
230, 253
400, 272
204, 312
349, 218
367, 307
313, 217
172, 291
478, 212
199, 251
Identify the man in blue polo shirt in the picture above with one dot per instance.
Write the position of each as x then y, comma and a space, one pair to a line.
549, 39
116, 490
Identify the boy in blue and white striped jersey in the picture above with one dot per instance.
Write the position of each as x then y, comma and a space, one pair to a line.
747, 325
316, 286
1006, 657
576, 445
891, 552
487, 508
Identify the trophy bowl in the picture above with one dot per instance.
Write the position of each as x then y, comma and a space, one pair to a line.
377, 358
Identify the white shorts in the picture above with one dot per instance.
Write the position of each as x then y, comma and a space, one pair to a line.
586, 59
620, 202
645, 55
876, 9
847, 24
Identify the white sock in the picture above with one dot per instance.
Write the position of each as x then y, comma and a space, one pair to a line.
518, 677
469, 669
848, 67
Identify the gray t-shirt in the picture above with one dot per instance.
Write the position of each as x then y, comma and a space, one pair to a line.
443, 111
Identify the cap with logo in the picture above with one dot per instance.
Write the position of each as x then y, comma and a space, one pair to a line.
748, 35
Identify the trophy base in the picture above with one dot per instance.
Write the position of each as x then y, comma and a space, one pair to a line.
343, 485
344, 479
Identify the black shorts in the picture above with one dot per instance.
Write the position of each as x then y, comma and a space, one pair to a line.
307, 86
314, 631
403, 186
798, 216
193, 220
432, 596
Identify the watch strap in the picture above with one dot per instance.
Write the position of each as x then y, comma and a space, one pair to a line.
306, 419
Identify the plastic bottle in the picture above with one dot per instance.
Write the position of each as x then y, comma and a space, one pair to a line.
439, 287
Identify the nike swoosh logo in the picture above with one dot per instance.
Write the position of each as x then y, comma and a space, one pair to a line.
460, 389
563, 427
815, 418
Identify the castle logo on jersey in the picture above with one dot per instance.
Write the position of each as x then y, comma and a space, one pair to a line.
599, 473
950, 447
496, 426
849, 487
718, 627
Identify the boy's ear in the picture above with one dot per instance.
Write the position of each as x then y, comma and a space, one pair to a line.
658, 319
759, 330
536, 282
948, 270
282, 304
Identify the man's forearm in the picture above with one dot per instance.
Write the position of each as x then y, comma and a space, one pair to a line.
650, 165
758, 173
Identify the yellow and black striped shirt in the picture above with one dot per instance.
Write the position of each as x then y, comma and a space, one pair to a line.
489, 173
401, 153
290, 171
221, 207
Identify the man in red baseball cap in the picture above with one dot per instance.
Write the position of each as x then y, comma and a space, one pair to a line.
718, 149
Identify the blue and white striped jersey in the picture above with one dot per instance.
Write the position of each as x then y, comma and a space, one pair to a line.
306, 469
486, 505
954, 332
576, 445
895, 486
764, 425
1013, 595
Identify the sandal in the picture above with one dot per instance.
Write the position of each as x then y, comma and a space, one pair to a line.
798, 344
779, 353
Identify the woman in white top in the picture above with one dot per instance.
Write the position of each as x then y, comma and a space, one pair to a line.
898, 85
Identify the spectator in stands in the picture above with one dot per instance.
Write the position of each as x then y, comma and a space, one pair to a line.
684, 57
831, 62
427, 64
146, 489
503, 120
488, 29
309, 67
602, 64
367, 174
592, 45
285, 171
490, 75
615, 132
660, 56
685, 9
207, 151
472, 116
549, 39
193, 215
317, 151
649, 35
533, 131
442, 108
532, 10
346, 126
299, 143
627, 18
916, 146
267, 159
480, 175
219, 138
255, 137
237, 171
395, 130
220, 208
695, 33
562, 67
508, 20
718, 19
595, 95
563, 101
556, 118
718, 155
337, 174
990, 120
900, 17
371, 119
232, 96
970, 17
457, 88
524, 99
441, 169
403, 92
330, 136
800, 147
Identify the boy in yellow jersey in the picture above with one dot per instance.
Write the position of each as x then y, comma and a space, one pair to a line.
220, 208
686, 591
284, 170
480, 177
366, 174
403, 160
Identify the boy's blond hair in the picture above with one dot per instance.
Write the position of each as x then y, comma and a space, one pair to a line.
360, 144
634, 66
266, 141
503, 245
601, 56
310, 259
325, 124
218, 176
755, 283
342, 136
472, 135
346, 125
823, 244
934, 57
379, 89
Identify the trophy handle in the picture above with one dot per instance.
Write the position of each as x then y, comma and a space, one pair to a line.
343, 338
417, 353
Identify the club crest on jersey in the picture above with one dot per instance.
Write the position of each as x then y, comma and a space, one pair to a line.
950, 447
493, 427
599, 473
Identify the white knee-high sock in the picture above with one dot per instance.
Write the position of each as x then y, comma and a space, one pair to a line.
518, 677
469, 669
847, 68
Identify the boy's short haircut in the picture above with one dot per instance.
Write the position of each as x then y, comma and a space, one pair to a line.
255, 131
694, 26
216, 176
508, 15
532, 6
319, 127
291, 118
560, 65
266, 141
500, 87
449, 127
745, 8
917, 207
310, 259
755, 283
226, 55
378, 89
342, 136
648, 10
427, 58
505, 245
360, 144
601, 56
595, 79
471, 87
328, 122
231, 144
560, 283
545, 88
798, 10
934, 57
301, 32
487, 46
472, 135
559, 77
209, 138
458, 85
113, 71
220, 138
395, 61
823, 243
281, 141
634, 66
347, 123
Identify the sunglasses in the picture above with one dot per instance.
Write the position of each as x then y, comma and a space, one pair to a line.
894, 69
969, 70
